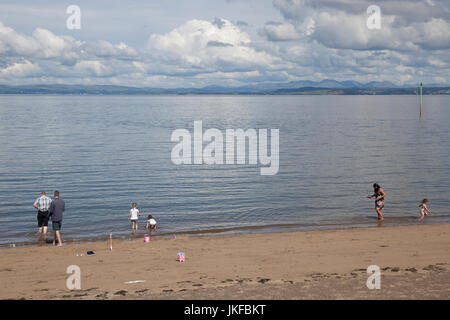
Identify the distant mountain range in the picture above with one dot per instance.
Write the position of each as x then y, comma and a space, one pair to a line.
303, 87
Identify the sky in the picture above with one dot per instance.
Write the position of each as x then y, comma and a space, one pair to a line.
197, 43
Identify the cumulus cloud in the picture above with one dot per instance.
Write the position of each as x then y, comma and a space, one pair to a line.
219, 44
277, 31
434, 34
313, 39
20, 70
405, 25
196, 53
44, 56
102, 48
407, 10
94, 68
42, 44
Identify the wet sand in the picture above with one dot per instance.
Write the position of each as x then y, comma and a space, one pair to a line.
329, 264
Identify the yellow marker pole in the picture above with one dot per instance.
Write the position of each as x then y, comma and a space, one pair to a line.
420, 100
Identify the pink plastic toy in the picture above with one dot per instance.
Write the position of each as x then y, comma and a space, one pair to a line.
147, 239
181, 256
110, 242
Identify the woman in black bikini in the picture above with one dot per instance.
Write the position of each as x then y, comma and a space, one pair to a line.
379, 195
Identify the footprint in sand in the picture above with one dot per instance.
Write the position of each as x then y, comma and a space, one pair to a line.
80, 295
121, 293
141, 291
187, 281
434, 268
241, 281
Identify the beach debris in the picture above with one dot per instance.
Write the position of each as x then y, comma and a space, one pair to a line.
90, 253
181, 256
12, 245
147, 239
134, 281
79, 254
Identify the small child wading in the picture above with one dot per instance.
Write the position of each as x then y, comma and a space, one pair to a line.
151, 224
133, 216
424, 209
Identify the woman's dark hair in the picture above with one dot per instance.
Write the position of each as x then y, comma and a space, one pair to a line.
425, 200
149, 217
376, 187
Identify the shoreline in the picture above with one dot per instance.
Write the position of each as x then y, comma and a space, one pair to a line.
319, 264
238, 230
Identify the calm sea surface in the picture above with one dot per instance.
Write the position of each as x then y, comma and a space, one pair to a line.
104, 152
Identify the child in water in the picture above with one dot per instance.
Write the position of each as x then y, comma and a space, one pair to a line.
424, 209
133, 216
151, 224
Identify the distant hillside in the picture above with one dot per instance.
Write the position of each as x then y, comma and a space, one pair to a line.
325, 87
362, 91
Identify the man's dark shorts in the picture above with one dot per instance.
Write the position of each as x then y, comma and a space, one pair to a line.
42, 218
56, 225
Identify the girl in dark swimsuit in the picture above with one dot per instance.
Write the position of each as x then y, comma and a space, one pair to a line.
379, 195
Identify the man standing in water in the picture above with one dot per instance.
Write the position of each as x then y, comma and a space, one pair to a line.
42, 204
56, 212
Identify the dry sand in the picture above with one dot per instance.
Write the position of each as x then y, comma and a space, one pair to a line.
415, 264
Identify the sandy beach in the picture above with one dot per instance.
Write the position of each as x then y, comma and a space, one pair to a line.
331, 264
